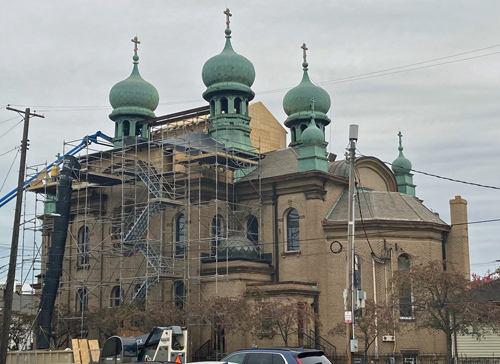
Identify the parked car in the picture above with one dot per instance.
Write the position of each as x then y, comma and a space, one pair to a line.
277, 356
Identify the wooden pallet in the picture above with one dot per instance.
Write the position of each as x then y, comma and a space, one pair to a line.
85, 351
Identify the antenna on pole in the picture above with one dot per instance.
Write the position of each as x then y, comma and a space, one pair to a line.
350, 293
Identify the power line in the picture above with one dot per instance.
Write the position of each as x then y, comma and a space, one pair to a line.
432, 60
477, 222
456, 180
8, 151
20, 122
8, 172
15, 117
445, 178
384, 72
373, 74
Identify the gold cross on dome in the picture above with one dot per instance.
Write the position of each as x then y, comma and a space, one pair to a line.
228, 14
304, 49
136, 41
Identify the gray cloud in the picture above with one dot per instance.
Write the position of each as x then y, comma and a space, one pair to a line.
69, 54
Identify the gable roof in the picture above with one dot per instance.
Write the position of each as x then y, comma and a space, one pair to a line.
383, 205
276, 163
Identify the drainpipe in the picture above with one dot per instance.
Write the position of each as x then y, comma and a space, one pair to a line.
375, 302
316, 323
276, 244
443, 248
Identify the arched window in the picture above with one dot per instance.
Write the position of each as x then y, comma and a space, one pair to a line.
294, 134
406, 301
292, 230
82, 300
116, 297
303, 127
237, 105
83, 246
126, 128
224, 106
180, 234
217, 232
212, 108
179, 294
253, 229
138, 130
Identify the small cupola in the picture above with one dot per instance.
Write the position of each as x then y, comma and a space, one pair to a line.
402, 171
297, 105
133, 100
313, 155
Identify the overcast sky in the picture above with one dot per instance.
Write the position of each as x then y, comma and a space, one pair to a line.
62, 57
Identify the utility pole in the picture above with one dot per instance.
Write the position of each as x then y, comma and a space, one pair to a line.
11, 275
350, 292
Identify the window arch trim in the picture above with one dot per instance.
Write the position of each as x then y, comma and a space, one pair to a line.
292, 230
83, 246
180, 234
406, 310
116, 297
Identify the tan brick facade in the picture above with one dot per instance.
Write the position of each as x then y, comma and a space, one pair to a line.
311, 273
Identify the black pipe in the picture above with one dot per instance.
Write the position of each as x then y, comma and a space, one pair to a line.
56, 253
276, 245
316, 322
443, 248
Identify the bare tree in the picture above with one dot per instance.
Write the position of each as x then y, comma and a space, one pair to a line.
444, 300
226, 313
375, 320
284, 316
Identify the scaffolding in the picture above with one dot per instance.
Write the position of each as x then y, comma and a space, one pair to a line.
146, 216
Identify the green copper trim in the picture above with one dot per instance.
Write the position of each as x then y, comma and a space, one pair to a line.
402, 171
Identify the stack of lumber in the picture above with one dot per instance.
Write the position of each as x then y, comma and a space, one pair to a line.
85, 351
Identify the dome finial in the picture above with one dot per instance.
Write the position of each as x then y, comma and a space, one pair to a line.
304, 55
400, 148
401, 164
136, 41
228, 15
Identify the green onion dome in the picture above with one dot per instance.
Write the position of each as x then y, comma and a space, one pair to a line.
401, 165
298, 99
133, 96
228, 67
313, 135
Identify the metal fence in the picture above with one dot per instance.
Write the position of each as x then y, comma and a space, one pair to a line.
413, 359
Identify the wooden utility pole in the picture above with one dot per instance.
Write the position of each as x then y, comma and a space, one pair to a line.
11, 275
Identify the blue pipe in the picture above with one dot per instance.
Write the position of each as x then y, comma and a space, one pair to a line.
87, 140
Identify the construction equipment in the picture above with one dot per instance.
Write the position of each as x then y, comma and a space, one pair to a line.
86, 141
162, 344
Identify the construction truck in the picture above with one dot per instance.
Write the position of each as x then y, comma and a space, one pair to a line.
162, 344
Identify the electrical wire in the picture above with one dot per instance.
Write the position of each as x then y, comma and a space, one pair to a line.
423, 62
370, 75
1, 136
442, 177
8, 151
8, 172
15, 117
384, 72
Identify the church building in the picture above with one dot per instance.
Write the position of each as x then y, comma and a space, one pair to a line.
212, 201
